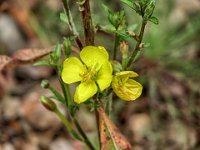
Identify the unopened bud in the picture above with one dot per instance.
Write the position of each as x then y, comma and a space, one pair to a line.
45, 84
124, 49
141, 45
48, 103
67, 47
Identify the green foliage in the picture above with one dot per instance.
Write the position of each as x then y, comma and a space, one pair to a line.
53, 60
144, 8
55, 56
67, 47
63, 17
117, 19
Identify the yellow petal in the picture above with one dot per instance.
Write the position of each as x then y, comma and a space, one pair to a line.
72, 69
135, 88
84, 91
131, 90
104, 76
92, 55
131, 74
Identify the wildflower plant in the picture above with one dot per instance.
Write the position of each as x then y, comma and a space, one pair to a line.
100, 74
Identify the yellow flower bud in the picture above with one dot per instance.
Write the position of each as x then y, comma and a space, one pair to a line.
126, 88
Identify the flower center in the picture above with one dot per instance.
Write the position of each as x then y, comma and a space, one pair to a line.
90, 74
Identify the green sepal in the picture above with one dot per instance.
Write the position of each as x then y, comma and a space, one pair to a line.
42, 63
55, 56
67, 47
63, 17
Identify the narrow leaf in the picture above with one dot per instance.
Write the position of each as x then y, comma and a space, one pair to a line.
128, 2
57, 51
154, 20
110, 134
42, 63
57, 95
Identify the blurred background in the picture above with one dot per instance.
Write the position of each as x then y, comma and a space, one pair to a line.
165, 117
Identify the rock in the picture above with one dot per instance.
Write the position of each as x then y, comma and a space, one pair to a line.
42, 139
140, 125
29, 146
10, 107
10, 35
181, 136
7, 146
61, 144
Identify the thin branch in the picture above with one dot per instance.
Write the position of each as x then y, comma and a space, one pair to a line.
116, 44
80, 130
87, 23
137, 47
134, 35
71, 24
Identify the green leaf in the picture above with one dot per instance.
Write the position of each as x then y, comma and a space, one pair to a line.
42, 63
63, 17
67, 47
108, 28
154, 20
115, 18
133, 5
132, 27
128, 2
149, 10
55, 56
58, 96
123, 34
136, 7
143, 3
57, 51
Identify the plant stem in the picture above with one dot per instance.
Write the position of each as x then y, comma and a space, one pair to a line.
71, 24
67, 125
65, 89
115, 46
67, 95
109, 104
87, 23
80, 130
137, 47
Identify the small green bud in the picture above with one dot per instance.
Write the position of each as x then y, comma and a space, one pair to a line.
45, 84
48, 103
67, 47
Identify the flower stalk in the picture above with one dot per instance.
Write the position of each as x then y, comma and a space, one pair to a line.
137, 47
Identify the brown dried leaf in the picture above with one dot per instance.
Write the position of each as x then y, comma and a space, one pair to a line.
30, 55
4, 61
109, 133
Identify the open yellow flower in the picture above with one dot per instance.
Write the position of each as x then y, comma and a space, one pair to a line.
125, 87
94, 72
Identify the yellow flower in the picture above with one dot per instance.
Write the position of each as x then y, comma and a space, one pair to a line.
125, 87
94, 72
